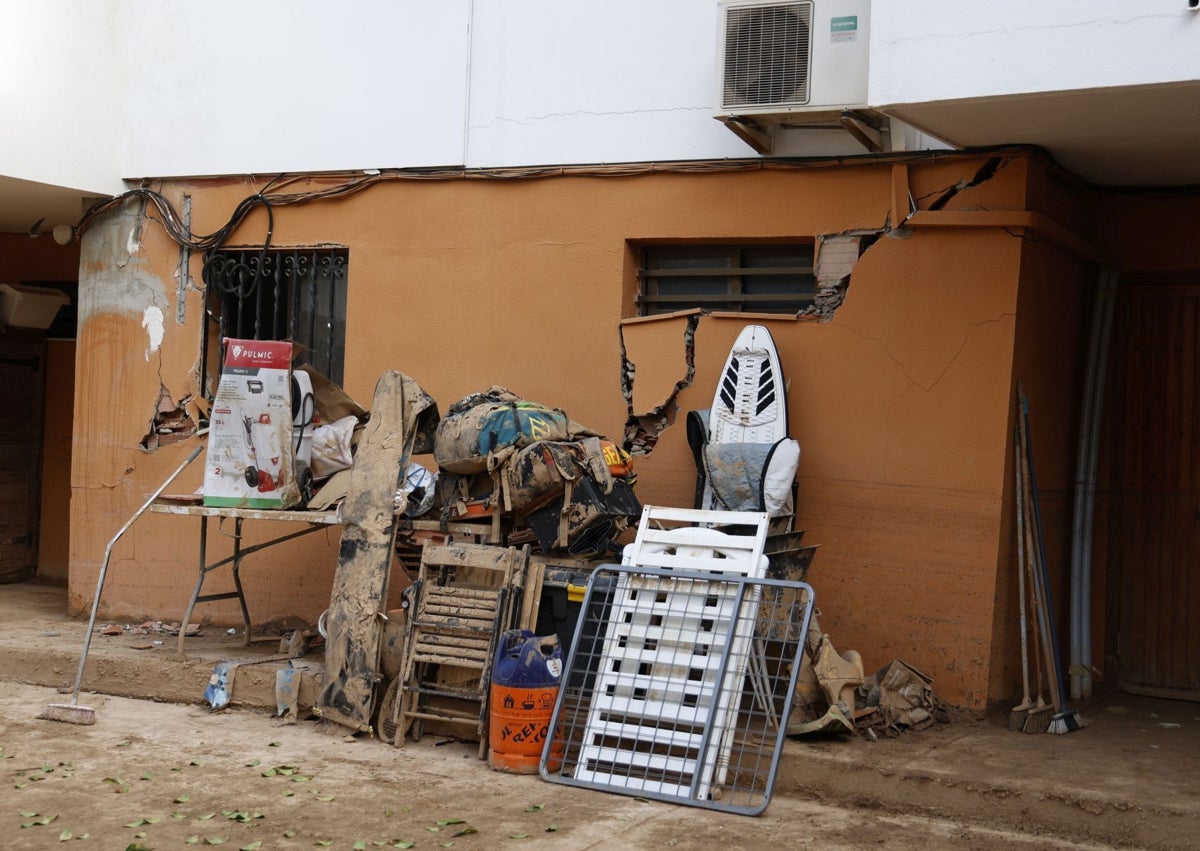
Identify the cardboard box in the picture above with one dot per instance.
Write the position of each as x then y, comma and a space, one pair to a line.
30, 307
250, 461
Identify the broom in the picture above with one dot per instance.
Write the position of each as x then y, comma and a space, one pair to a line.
1065, 719
73, 713
1019, 714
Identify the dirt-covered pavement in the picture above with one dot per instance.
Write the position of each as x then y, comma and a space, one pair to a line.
155, 775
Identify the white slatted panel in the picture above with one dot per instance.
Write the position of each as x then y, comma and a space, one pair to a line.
658, 684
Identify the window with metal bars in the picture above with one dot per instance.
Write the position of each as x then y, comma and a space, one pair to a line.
734, 278
296, 294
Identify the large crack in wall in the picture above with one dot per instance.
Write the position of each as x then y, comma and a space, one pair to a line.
836, 257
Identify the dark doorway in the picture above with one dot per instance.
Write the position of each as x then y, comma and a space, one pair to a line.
1158, 478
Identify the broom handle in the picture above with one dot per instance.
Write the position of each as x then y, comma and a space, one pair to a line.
87, 638
1020, 494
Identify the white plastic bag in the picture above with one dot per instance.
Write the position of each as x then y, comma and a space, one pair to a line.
331, 447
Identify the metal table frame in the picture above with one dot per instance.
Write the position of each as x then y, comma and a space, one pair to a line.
315, 520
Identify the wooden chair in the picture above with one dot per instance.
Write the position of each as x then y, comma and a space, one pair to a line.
465, 596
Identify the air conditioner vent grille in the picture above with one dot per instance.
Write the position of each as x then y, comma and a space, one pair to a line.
767, 53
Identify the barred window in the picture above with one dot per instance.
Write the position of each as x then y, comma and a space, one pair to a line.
296, 294
735, 278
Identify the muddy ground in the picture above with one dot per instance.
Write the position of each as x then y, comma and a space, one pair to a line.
155, 775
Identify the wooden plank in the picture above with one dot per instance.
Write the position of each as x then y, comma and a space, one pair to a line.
364, 560
532, 601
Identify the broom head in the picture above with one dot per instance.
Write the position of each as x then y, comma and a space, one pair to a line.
69, 713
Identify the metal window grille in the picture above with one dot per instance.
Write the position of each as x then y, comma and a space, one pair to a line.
678, 686
296, 294
739, 279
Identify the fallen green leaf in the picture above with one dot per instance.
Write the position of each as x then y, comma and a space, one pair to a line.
253, 763
324, 842
205, 818
253, 846
141, 834
192, 840
360, 846
178, 814
270, 772
387, 813
20, 785
287, 793
136, 846
65, 835
403, 843
323, 797
28, 814
147, 776
40, 822
182, 799
288, 834
122, 744
84, 836
274, 744
533, 808
466, 831
552, 828
447, 821
300, 778
215, 840
518, 836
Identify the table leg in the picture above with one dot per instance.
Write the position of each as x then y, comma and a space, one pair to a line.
237, 579
187, 616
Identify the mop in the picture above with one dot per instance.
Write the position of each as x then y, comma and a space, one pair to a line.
73, 713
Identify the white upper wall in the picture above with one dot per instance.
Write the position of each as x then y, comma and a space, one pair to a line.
154, 88
246, 86
935, 50
62, 87
232, 87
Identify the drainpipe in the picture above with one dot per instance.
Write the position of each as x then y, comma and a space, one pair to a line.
1085, 484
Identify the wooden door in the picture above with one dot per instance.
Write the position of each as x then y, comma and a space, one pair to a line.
1159, 638
22, 356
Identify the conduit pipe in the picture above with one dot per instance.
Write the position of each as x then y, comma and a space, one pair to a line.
1085, 484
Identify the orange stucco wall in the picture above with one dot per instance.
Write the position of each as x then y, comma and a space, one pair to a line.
902, 402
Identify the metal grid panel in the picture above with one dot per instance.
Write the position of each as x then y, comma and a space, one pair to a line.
678, 686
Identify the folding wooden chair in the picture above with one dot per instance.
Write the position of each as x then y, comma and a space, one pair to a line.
464, 598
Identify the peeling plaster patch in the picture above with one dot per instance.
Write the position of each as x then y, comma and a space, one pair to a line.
171, 422
112, 278
642, 430
836, 256
152, 321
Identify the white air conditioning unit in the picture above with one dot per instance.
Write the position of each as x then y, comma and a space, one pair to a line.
791, 62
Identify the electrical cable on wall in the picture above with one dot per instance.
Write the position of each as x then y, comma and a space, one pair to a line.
270, 195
